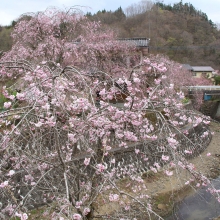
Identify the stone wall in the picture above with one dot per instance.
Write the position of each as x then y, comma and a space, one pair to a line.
193, 142
209, 108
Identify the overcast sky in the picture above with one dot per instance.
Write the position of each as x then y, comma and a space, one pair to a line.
12, 9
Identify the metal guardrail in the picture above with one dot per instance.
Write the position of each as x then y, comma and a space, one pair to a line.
210, 88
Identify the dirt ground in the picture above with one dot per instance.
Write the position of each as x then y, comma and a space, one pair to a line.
168, 190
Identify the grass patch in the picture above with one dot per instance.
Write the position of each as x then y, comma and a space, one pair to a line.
185, 100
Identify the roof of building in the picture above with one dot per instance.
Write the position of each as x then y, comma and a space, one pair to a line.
137, 41
202, 69
186, 67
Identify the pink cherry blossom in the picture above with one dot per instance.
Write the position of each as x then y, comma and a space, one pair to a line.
169, 173
137, 80
86, 211
39, 124
157, 81
100, 167
12, 97
7, 104
113, 160
4, 184
77, 216
22, 216
137, 151
165, 158
11, 173
188, 151
87, 161
173, 142
113, 197
78, 204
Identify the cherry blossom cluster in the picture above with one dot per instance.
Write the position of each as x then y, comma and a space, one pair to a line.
74, 106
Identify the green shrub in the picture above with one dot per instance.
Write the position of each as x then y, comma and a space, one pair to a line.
185, 100
217, 80
2, 100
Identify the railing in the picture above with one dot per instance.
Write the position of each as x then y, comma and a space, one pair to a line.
203, 88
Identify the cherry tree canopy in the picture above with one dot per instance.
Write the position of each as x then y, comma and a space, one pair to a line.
72, 106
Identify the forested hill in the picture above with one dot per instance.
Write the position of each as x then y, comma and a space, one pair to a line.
180, 31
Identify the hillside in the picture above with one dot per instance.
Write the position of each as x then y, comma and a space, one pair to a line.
180, 31
5, 39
